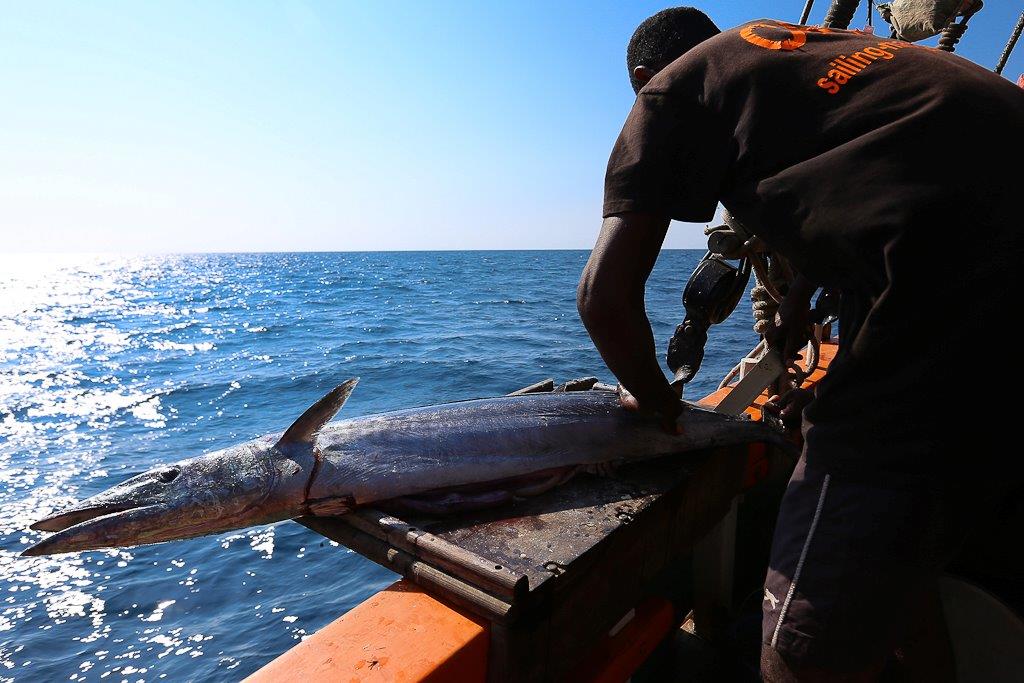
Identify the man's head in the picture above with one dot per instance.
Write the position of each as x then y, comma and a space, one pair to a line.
662, 38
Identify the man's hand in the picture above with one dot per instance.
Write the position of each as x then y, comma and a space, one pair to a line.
789, 407
667, 413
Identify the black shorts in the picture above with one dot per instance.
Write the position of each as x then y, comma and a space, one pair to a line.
849, 561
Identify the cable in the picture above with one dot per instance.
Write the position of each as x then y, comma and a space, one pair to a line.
1009, 45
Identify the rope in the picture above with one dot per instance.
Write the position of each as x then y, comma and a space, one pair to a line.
953, 32
951, 35
1009, 45
772, 276
810, 363
840, 13
799, 374
729, 376
766, 294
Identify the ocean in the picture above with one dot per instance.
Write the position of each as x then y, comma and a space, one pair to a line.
111, 364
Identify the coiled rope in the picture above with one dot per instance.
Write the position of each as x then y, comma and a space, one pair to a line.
954, 31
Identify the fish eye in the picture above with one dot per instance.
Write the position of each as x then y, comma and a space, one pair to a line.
168, 475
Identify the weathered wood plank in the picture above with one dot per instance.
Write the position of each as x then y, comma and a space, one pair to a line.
438, 583
580, 384
465, 564
537, 387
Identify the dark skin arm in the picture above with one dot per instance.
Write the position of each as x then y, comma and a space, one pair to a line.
792, 324
610, 299
789, 336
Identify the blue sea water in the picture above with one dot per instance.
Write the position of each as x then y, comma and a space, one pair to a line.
110, 364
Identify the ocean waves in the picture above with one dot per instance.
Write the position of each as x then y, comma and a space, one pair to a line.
109, 365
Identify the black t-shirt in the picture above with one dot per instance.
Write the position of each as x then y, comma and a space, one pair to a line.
886, 169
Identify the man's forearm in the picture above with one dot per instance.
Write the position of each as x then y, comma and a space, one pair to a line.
802, 288
610, 299
790, 332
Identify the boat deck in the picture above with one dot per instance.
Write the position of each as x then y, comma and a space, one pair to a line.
551, 580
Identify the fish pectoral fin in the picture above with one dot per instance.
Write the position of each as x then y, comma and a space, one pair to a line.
310, 422
555, 479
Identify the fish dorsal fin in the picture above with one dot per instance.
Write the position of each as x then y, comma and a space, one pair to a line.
312, 421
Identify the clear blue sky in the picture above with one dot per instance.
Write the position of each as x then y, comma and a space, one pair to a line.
242, 126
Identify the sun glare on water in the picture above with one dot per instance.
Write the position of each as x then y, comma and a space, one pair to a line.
67, 323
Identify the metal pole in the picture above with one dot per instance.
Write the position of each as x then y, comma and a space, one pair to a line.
1009, 45
806, 13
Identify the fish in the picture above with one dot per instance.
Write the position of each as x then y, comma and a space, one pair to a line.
441, 458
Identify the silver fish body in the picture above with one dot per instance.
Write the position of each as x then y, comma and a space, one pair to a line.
385, 456
500, 444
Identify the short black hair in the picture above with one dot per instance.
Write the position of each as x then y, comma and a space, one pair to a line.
663, 37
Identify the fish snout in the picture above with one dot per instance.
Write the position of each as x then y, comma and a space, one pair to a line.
254, 483
143, 489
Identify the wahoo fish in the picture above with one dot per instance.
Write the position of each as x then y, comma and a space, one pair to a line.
443, 458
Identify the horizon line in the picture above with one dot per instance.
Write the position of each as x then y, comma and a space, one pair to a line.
304, 251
